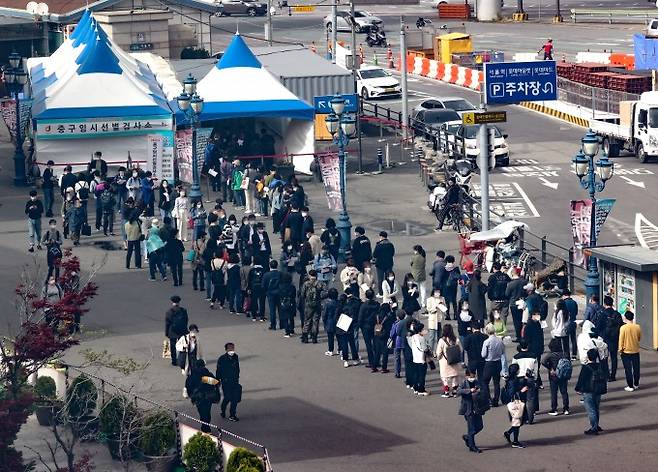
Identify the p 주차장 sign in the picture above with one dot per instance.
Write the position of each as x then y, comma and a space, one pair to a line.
515, 82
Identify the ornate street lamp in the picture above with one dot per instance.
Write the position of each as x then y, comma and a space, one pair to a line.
16, 78
192, 106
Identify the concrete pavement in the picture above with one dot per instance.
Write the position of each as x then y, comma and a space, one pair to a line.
306, 408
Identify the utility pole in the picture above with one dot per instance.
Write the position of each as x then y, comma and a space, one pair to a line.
403, 79
483, 163
355, 66
334, 29
268, 27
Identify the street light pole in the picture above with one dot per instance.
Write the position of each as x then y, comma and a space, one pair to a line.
342, 127
334, 29
269, 23
16, 79
586, 171
192, 106
403, 80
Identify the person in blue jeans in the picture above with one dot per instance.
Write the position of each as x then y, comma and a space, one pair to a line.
400, 338
592, 390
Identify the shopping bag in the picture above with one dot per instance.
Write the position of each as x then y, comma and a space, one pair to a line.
86, 230
344, 322
166, 353
246, 305
515, 408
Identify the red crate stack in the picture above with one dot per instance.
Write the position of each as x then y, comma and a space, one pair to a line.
583, 72
565, 69
601, 79
629, 83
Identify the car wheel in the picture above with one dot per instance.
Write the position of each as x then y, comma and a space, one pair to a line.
251, 12
329, 28
641, 154
358, 28
364, 93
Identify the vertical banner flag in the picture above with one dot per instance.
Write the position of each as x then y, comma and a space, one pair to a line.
581, 218
154, 155
167, 162
8, 112
202, 136
331, 178
184, 155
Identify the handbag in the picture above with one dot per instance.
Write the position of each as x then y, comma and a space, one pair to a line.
238, 393
516, 408
190, 223
166, 349
191, 255
429, 359
86, 230
244, 185
246, 305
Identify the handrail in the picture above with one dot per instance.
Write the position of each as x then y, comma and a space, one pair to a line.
611, 14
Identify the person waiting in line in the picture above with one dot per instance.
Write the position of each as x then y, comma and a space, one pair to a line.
287, 305
516, 388
381, 331
629, 348
203, 391
559, 367
329, 318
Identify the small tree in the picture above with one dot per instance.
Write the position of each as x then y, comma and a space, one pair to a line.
201, 453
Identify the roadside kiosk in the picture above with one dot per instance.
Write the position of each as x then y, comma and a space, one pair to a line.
629, 274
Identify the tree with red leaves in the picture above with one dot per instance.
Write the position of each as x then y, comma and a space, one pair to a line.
44, 332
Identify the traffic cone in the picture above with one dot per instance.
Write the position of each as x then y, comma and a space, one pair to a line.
361, 54
389, 56
313, 48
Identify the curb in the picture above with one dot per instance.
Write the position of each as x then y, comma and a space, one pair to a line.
560, 115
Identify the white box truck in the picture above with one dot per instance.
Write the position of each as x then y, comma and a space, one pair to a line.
635, 130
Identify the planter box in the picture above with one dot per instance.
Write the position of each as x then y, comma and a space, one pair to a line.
47, 414
161, 463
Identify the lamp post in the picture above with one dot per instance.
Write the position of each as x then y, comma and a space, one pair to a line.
16, 79
342, 126
587, 172
192, 106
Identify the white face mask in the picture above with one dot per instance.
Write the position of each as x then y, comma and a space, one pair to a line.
465, 307
471, 379
391, 279
304, 214
496, 316
230, 353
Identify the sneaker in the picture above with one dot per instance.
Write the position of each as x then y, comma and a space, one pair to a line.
637, 387
385, 371
507, 437
423, 394
553, 413
346, 364
30, 250
328, 353
152, 279
592, 432
253, 319
518, 445
233, 418
566, 413
445, 395
164, 278
208, 299
356, 362
39, 247
629, 389
374, 370
408, 386
286, 335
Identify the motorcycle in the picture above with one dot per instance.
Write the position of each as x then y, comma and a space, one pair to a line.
502, 246
376, 37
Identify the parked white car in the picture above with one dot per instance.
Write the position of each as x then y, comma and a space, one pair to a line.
460, 105
652, 28
375, 82
468, 136
363, 19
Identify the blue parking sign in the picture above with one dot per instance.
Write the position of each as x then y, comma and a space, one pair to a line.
323, 104
514, 82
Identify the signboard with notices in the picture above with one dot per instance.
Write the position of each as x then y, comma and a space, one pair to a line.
330, 170
8, 112
184, 151
515, 82
102, 127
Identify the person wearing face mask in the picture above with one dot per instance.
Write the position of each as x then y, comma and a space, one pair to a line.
120, 181
34, 210
366, 321
188, 350
349, 275
493, 350
245, 236
500, 329
134, 185
477, 291
181, 212
389, 288
261, 247
325, 266
435, 306
148, 196
203, 391
383, 255
228, 372
366, 281
75, 216
48, 188
449, 290
330, 237
294, 223
464, 320
198, 215
67, 204
307, 223
410, 294
474, 403
419, 272
533, 334
166, 199
68, 179
290, 260
237, 177
53, 241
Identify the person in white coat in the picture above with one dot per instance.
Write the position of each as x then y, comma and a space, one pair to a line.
366, 280
188, 347
134, 185
418, 346
560, 324
349, 275
181, 213
589, 339
390, 287
434, 304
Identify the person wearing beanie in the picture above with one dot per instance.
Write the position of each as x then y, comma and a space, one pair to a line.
629, 347
34, 210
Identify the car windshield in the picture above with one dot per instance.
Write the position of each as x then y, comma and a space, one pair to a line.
452, 129
458, 105
441, 116
430, 104
653, 117
361, 14
471, 132
373, 73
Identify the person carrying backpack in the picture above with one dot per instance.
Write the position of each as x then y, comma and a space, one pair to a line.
310, 297
287, 305
592, 383
256, 291
108, 205
595, 313
613, 324
176, 320
449, 291
559, 368
53, 242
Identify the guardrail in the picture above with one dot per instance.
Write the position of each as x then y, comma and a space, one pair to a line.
611, 15
381, 112
594, 98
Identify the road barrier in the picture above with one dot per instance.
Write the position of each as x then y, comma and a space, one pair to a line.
612, 15
449, 73
594, 98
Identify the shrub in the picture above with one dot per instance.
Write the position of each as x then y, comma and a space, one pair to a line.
81, 398
201, 454
45, 389
158, 435
243, 460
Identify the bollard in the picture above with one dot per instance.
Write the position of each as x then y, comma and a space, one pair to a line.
419, 154
374, 55
380, 159
389, 56
388, 157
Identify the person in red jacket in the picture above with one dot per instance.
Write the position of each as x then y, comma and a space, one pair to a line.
547, 48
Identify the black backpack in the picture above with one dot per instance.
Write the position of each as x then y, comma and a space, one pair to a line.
599, 318
256, 276
83, 193
179, 322
106, 199
599, 379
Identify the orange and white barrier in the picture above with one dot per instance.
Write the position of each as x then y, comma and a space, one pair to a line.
450, 73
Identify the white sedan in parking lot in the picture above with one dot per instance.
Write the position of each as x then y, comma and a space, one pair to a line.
375, 82
460, 105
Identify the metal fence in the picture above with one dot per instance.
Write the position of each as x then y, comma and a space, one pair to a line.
107, 389
594, 98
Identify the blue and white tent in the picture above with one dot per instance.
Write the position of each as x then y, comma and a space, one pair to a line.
240, 87
90, 95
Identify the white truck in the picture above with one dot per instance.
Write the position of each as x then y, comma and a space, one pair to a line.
636, 129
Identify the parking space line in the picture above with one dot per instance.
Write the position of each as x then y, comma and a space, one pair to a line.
527, 199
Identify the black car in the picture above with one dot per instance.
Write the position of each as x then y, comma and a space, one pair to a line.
241, 7
427, 123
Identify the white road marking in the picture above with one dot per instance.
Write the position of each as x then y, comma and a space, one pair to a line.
527, 199
630, 181
545, 182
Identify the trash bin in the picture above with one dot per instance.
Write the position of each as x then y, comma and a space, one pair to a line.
629, 274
